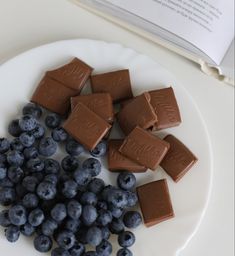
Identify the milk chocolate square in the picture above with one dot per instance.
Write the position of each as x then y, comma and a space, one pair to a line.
178, 160
117, 83
166, 108
100, 103
53, 96
73, 75
138, 112
86, 127
155, 202
144, 148
118, 162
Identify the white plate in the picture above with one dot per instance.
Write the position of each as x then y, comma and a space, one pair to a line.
20, 76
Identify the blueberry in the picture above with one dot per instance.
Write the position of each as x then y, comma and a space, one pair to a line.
105, 232
118, 198
89, 215
88, 198
42, 243
4, 145
6, 183
7, 196
102, 205
96, 185
36, 217
94, 236
126, 181
117, 226
93, 166
49, 226
104, 218
74, 148
35, 165
132, 198
26, 139
3, 159
27, 229
106, 191
51, 166
21, 191
17, 145
17, 215
46, 190
104, 248
38, 132
12, 233
126, 239
30, 153
53, 120
47, 147
15, 174
14, 128
33, 110
59, 134
124, 252
66, 239
72, 225
30, 201
77, 250
115, 211
82, 177
90, 253
3, 172
30, 183
132, 219
15, 158
69, 188
99, 150
60, 252
70, 163
27, 123
52, 178
74, 209
4, 218
59, 212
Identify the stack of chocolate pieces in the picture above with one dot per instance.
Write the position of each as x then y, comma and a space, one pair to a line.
91, 116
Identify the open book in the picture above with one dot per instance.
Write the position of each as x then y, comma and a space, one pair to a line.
201, 30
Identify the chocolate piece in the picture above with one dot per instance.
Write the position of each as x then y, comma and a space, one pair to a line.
117, 83
138, 112
178, 160
73, 75
165, 106
100, 103
125, 102
155, 202
118, 162
86, 127
53, 96
144, 148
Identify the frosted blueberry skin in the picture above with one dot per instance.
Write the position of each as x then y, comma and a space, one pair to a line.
12, 233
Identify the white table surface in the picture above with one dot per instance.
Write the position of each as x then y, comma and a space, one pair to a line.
25, 24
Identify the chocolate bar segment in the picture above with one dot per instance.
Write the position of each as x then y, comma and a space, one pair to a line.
144, 148
155, 202
73, 75
86, 127
138, 112
178, 160
117, 83
166, 108
118, 162
100, 103
53, 96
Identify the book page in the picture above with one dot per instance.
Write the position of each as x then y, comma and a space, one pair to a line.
207, 24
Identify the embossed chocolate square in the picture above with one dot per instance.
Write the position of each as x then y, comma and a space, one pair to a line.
117, 83
73, 75
100, 103
165, 106
118, 162
86, 127
155, 202
144, 148
138, 112
178, 160
53, 96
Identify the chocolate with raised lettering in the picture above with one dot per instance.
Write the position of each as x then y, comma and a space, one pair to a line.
144, 148
86, 127
138, 112
166, 108
100, 103
178, 160
117, 83
155, 202
118, 162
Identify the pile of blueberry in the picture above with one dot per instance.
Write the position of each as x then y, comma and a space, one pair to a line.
62, 202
